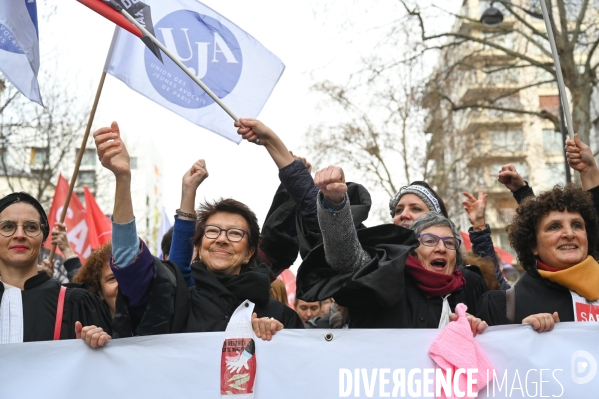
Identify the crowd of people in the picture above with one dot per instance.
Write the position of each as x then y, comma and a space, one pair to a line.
409, 273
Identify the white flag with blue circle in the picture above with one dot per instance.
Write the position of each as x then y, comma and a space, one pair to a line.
19, 46
234, 65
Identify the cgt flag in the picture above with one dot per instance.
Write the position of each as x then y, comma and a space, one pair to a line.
234, 65
111, 9
75, 221
19, 46
99, 226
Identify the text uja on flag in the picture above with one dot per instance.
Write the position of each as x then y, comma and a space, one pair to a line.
142, 13
19, 46
234, 65
75, 220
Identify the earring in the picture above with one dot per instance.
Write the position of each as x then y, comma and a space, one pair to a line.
245, 262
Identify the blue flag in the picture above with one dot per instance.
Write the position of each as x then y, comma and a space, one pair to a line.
234, 65
19, 46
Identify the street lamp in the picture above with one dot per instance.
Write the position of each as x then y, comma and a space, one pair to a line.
493, 17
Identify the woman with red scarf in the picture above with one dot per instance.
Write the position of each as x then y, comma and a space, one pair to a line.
555, 236
387, 276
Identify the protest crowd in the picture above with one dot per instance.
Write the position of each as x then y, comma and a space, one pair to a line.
410, 273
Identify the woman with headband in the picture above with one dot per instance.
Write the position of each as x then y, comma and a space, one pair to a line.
414, 200
387, 276
33, 306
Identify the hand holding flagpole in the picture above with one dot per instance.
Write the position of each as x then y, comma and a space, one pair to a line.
180, 65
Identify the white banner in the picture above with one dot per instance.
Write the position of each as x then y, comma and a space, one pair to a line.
301, 364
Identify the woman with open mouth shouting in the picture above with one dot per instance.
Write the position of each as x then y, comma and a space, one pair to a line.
387, 276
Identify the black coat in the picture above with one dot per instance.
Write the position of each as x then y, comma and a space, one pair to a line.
173, 307
40, 299
534, 294
381, 294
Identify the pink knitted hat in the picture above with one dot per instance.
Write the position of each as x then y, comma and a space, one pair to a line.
455, 348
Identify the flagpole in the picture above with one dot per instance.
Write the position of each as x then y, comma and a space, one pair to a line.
80, 154
180, 64
558, 69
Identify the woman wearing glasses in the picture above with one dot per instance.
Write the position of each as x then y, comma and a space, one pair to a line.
33, 306
387, 276
225, 269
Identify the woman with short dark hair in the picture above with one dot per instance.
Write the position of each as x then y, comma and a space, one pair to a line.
156, 298
554, 236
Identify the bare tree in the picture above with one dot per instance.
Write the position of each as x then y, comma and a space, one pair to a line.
521, 55
37, 143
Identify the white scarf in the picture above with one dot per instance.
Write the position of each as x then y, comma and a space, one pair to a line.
584, 310
445, 312
11, 316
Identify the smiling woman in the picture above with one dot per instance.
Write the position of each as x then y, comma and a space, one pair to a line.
555, 236
23, 289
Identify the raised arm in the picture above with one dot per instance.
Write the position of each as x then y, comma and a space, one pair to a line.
513, 181
343, 251
185, 221
131, 261
294, 172
480, 232
580, 158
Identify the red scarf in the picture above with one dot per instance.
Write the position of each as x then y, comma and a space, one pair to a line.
432, 283
542, 266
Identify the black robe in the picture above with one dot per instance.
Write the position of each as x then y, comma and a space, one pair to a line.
40, 299
381, 294
534, 294
173, 307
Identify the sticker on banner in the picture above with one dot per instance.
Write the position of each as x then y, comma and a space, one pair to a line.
584, 367
211, 52
238, 366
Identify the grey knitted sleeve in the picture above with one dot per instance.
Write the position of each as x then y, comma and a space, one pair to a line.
342, 249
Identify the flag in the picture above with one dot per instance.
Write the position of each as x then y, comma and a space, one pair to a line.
504, 256
234, 65
288, 279
111, 9
165, 225
19, 46
99, 226
75, 221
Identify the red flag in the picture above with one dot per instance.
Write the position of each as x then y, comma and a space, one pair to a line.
100, 227
77, 231
289, 280
111, 9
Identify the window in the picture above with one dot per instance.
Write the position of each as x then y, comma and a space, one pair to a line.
89, 157
506, 140
554, 174
39, 156
506, 102
133, 163
3, 157
86, 178
496, 75
552, 142
549, 103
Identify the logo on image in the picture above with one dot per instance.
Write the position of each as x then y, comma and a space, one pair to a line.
205, 46
584, 367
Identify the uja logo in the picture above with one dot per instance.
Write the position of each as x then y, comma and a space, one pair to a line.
206, 47
583, 367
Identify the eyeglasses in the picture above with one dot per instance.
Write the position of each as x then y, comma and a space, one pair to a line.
233, 234
30, 228
431, 240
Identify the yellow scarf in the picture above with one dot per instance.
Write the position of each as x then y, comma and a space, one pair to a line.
582, 278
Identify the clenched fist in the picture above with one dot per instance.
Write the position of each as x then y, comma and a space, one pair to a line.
331, 181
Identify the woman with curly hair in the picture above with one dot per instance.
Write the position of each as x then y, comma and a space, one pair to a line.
554, 236
97, 276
